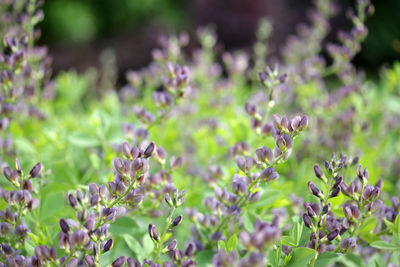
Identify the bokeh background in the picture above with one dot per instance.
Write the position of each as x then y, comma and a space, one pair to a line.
77, 31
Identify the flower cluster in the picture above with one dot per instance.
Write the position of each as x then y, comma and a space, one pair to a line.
226, 207
249, 209
325, 226
20, 202
24, 68
96, 208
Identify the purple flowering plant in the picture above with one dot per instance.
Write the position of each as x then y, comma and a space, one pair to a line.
202, 159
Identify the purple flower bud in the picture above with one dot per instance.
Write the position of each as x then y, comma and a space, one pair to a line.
119, 262
79, 238
303, 123
172, 246
375, 193
177, 221
269, 175
367, 192
33, 204
89, 260
6, 249
347, 212
93, 189
311, 212
281, 143
135, 152
28, 186
190, 250
131, 263
264, 154
268, 129
161, 154
332, 235
347, 244
149, 150
396, 204
176, 163
335, 192
153, 232
36, 170
355, 212
118, 165
313, 189
326, 208
7, 173
108, 245
89, 224
318, 171
262, 76
126, 150
72, 200
10, 261
307, 220
64, 226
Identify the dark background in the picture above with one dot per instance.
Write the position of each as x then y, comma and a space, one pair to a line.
77, 31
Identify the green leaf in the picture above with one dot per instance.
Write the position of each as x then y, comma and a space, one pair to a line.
366, 230
126, 225
134, 246
296, 231
30, 246
368, 225
83, 140
95, 160
288, 241
231, 243
35, 239
221, 245
378, 260
384, 245
203, 258
351, 260
247, 222
148, 244
274, 256
397, 223
266, 200
326, 259
391, 226
301, 256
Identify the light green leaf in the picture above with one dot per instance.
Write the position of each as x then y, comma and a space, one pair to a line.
384, 245
325, 259
351, 260
288, 241
296, 231
368, 225
83, 140
301, 256
221, 245
391, 226
148, 244
231, 243
134, 246
203, 258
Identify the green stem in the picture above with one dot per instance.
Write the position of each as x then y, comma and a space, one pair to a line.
69, 257
360, 203
327, 193
162, 237
98, 261
249, 188
112, 204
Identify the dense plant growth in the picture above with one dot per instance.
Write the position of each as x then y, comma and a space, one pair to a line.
202, 159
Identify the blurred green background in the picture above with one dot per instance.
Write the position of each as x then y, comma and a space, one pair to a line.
77, 31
